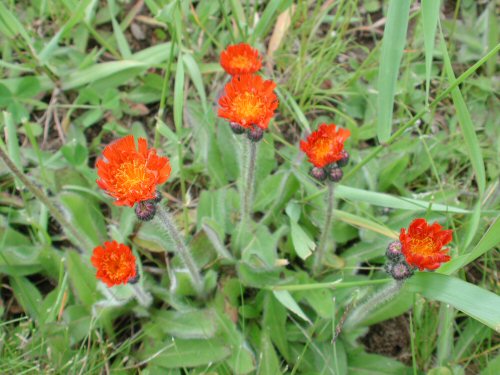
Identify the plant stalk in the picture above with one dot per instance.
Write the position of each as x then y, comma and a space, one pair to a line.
320, 251
165, 221
143, 297
380, 297
247, 187
42, 197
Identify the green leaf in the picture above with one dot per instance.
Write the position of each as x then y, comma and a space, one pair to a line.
302, 243
121, 40
177, 353
195, 74
76, 16
179, 96
13, 144
10, 25
28, 296
391, 201
465, 121
476, 302
392, 50
82, 278
5, 96
361, 222
195, 324
98, 72
361, 363
269, 362
85, 216
430, 16
274, 322
287, 300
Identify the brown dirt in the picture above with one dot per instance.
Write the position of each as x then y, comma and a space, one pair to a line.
390, 338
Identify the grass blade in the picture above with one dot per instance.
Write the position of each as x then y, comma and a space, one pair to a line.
465, 121
489, 240
430, 15
392, 51
266, 19
476, 302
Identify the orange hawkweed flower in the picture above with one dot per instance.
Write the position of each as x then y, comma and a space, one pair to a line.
248, 101
130, 175
240, 59
114, 262
325, 145
423, 244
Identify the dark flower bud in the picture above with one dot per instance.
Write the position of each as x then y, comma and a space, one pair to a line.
237, 128
345, 159
400, 270
335, 174
255, 134
394, 250
158, 197
318, 173
134, 279
145, 210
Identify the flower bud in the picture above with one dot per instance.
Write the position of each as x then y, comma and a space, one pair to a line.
335, 174
400, 270
145, 210
345, 159
255, 134
158, 197
237, 128
394, 250
318, 173
134, 279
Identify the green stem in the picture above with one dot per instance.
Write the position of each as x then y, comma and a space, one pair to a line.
56, 213
365, 308
165, 221
320, 251
249, 182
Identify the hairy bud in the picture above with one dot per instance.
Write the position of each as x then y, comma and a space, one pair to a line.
255, 134
237, 128
145, 210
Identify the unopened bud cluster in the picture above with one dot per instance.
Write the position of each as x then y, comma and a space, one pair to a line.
332, 171
146, 210
255, 133
396, 264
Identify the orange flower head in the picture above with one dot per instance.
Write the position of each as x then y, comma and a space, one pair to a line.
114, 262
325, 145
130, 175
240, 59
248, 101
423, 244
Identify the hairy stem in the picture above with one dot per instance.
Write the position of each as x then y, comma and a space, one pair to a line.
249, 181
165, 221
42, 197
320, 251
380, 297
143, 297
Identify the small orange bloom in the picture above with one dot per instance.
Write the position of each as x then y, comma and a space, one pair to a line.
114, 262
240, 59
130, 175
325, 145
423, 245
249, 100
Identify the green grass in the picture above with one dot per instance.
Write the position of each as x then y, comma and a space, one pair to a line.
419, 95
